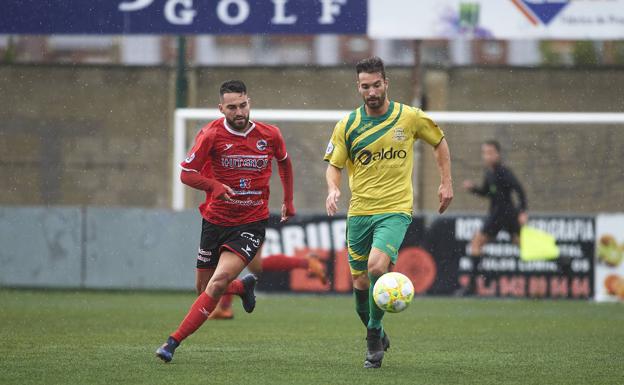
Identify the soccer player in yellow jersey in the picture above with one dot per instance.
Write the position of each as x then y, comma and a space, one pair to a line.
375, 143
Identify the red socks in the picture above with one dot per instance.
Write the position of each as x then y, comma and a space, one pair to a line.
226, 301
201, 308
235, 287
281, 262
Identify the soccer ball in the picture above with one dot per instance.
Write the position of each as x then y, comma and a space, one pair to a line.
393, 292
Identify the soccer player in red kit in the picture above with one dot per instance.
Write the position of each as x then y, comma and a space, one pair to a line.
231, 161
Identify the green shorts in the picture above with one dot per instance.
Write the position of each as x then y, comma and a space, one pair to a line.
382, 231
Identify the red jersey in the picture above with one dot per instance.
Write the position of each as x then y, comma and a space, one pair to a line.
240, 160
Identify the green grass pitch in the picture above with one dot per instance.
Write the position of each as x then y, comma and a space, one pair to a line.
109, 338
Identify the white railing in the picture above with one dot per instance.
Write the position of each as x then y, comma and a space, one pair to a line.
184, 114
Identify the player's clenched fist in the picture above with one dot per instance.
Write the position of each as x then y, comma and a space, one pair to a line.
445, 195
331, 204
225, 194
288, 211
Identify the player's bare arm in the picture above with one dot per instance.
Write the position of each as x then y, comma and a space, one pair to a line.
474, 188
523, 218
332, 176
468, 185
287, 177
443, 159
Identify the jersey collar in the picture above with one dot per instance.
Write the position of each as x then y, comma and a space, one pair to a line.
380, 118
238, 133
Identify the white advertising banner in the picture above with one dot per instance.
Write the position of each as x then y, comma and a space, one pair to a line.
497, 19
609, 268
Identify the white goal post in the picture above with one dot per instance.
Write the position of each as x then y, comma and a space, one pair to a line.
182, 115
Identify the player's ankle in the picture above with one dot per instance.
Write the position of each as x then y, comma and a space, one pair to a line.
174, 341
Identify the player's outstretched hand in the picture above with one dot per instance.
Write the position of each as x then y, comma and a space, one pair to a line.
468, 185
288, 211
227, 194
445, 195
523, 218
331, 204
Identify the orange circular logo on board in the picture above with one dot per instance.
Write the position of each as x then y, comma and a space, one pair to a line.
419, 266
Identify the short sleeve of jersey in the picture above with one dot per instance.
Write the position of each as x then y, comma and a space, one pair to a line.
199, 154
336, 153
427, 129
280, 146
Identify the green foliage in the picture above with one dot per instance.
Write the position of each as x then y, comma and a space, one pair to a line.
549, 56
584, 54
10, 54
619, 52
110, 338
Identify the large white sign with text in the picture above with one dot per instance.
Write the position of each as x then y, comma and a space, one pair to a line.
496, 19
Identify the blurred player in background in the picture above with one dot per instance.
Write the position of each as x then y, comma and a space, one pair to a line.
499, 183
270, 263
231, 161
375, 142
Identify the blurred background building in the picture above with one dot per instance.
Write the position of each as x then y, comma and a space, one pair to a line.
84, 116
307, 50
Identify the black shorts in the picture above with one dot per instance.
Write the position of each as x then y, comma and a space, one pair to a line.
244, 241
495, 223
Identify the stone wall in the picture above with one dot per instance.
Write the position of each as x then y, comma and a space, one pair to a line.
101, 135
84, 135
564, 168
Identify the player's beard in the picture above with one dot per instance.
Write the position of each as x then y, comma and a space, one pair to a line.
375, 102
239, 122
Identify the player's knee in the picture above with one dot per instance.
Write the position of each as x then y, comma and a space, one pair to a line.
378, 262
377, 267
376, 270
218, 284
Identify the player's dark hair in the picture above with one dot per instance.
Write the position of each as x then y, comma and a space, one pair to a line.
233, 87
493, 143
371, 65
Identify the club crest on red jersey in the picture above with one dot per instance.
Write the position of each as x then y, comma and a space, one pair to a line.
245, 183
261, 145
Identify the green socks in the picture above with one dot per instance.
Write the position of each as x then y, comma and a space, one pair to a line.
365, 306
361, 305
376, 314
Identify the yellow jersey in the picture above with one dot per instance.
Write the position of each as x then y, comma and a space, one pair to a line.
378, 153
